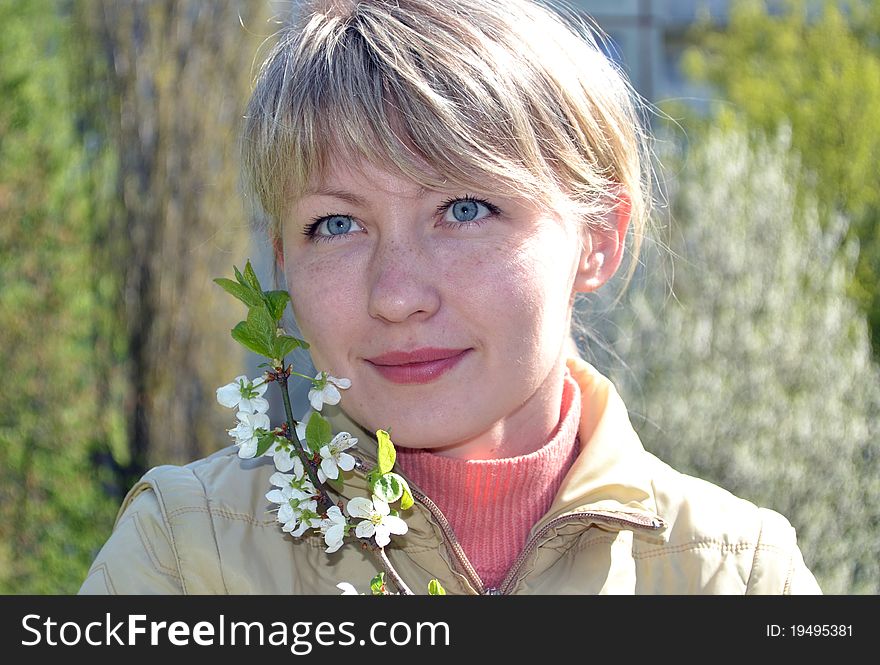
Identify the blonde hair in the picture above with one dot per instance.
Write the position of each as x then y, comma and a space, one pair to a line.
500, 91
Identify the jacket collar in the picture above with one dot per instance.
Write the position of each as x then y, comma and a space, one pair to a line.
609, 477
611, 473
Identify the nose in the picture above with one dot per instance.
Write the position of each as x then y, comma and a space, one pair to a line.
403, 284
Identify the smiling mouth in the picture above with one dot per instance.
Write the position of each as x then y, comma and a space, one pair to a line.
418, 366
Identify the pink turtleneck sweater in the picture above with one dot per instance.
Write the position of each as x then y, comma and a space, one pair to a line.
493, 504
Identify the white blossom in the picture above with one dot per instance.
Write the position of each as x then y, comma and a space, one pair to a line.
325, 390
245, 394
300, 430
284, 455
376, 519
245, 433
298, 515
291, 486
334, 457
333, 528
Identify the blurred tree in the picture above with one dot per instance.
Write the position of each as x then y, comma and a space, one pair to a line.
819, 73
172, 87
118, 206
53, 510
759, 375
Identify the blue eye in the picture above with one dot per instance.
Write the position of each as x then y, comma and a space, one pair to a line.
336, 225
466, 210
330, 227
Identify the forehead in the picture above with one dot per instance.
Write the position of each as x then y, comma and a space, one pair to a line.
349, 176
363, 183
349, 173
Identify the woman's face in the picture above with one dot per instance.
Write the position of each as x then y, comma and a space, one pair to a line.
449, 313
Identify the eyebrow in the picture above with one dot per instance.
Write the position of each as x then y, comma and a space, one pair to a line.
350, 197
354, 199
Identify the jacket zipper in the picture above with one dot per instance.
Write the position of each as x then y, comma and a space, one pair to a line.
512, 577
452, 544
467, 568
592, 517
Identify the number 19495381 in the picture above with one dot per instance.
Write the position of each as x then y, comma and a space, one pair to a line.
809, 630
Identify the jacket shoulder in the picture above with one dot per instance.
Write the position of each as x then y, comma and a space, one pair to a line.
165, 539
729, 537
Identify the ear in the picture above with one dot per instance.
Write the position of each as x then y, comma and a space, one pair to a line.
278, 250
603, 247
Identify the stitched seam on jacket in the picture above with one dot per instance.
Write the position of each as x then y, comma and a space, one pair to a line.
733, 548
755, 559
151, 552
675, 549
723, 548
786, 589
135, 492
214, 534
170, 531
105, 575
416, 549
242, 517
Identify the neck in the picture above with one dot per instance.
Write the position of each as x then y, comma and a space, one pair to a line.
522, 432
492, 504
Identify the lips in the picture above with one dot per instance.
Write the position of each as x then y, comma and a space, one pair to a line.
417, 366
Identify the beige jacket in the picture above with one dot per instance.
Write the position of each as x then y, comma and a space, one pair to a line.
623, 522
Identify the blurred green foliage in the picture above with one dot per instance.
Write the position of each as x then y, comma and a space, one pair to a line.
118, 205
747, 363
747, 349
759, 374
815, 69
54, 507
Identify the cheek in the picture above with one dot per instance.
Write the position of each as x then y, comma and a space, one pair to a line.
323, 304
488, 286
544, 278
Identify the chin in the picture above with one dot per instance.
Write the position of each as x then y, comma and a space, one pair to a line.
422, 430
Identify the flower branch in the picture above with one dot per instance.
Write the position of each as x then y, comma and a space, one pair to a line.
392, 573
280, 376
308, 457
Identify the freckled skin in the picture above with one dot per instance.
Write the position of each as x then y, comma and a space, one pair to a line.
402, 279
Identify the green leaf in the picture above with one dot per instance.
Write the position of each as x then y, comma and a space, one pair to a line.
277, 301
244, 335
285, 344
248, 296
262, 327
318, 432
264, 441
388, 487
250, 278
240, 278
377, 584
387, 454
435, 588
373, 476
406, 501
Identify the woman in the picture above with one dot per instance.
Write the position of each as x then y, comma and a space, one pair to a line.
442, 178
